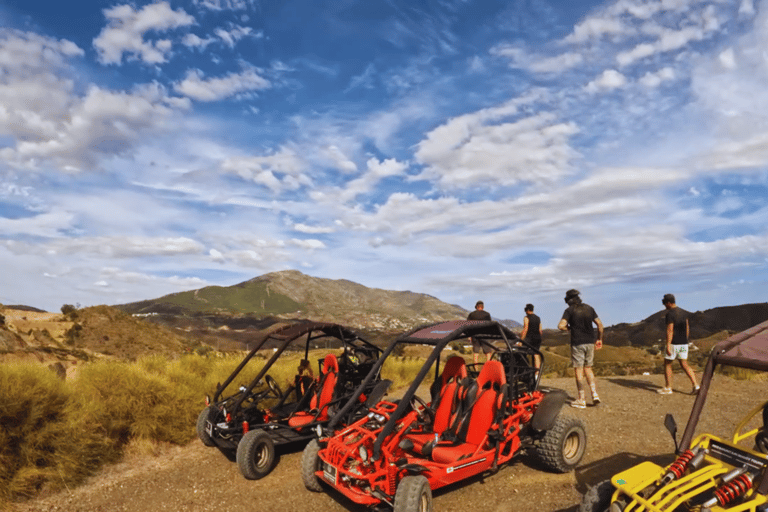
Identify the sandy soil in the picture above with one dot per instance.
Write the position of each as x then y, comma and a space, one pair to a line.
626, 428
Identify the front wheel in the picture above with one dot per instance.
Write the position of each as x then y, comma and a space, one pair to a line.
597, 498
202, 420
255, 455
311, 462
563, 445
413, 495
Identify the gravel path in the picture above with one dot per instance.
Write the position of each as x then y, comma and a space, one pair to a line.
626, 428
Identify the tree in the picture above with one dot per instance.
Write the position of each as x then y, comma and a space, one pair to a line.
69, 311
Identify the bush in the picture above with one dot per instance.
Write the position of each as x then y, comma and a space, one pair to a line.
459, 347
69, 311
40, 424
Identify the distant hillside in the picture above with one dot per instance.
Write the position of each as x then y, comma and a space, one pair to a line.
85, 334
702, 323
292, 294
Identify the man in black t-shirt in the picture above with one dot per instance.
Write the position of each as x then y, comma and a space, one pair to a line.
479, 314
578, 319
677, 331
531, 333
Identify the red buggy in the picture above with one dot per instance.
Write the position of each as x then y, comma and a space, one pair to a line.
475, 422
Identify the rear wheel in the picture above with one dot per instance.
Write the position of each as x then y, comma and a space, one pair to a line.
563, 445
311, 462
597, 498
255, 454
413, 495
202, 420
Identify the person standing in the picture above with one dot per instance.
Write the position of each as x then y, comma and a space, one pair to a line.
480, 314
531, 333
678, 331
578, 319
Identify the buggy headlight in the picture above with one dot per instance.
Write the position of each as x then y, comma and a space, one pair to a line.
363, 451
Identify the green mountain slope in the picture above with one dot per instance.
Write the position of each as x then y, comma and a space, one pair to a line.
292, 294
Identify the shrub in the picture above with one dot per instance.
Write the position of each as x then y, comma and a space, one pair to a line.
459, 347
69, 311
36, 443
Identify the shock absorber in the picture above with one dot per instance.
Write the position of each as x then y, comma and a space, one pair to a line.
688, 458
729, 491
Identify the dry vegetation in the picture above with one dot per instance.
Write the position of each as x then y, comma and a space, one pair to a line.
139, 386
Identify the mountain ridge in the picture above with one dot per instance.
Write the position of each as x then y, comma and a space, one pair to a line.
291, 294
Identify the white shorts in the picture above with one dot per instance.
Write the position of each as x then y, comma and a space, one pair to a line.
678, 352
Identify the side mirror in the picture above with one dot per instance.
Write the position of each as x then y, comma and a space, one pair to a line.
671, 424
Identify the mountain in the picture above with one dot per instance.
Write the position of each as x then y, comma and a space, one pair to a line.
291, 294
703, 324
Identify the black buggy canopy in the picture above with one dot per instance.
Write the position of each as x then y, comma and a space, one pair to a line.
747, 349
445, 332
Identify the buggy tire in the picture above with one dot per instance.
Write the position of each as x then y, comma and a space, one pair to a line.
310, 462
597, 498
255, 455
413, 495
201, 421
563, 445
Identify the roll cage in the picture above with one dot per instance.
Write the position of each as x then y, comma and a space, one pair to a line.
283, 337
439, 335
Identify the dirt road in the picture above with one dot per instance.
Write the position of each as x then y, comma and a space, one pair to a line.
625, 428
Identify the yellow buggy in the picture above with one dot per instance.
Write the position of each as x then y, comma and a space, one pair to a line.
710, 474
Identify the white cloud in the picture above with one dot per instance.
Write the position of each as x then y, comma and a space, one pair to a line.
610, 79
213, 89
303, 228
236, 33
310, 244
594, 28
538, 63
195, 41
484, 149
80, 130
49, 224
728, 59
377, 171
226, 5
283, 170
126, 246
338, 159
126, 29
652, 80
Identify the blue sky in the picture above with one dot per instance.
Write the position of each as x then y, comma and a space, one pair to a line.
496, 150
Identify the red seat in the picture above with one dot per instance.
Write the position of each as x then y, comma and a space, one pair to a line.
318, 405
445, 404
472, 432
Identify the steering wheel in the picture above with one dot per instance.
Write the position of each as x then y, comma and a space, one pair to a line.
273, 387
426, 415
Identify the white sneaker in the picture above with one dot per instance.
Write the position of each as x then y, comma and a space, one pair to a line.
664, 391
695, 390
579, 404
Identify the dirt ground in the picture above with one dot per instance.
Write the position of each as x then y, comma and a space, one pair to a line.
623, 430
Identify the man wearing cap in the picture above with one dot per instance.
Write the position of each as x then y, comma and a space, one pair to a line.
480, 314
678, 331
578, 319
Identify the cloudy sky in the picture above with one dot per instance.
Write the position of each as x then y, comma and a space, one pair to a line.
499, 149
